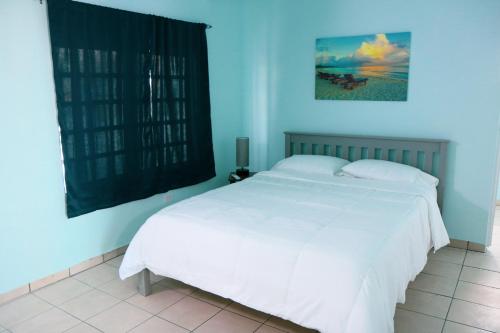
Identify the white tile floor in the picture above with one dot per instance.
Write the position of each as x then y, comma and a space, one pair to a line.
458, 292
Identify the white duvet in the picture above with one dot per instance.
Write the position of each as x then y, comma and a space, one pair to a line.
330, 254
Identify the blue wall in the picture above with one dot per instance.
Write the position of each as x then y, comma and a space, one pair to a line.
36, 238
261, 56
453, 90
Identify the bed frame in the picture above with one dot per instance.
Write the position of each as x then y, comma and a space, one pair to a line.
428, 155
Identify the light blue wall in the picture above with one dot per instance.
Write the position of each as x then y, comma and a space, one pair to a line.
261, 56
454, 88
36, 238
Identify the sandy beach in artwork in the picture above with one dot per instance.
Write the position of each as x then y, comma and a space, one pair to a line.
376, 89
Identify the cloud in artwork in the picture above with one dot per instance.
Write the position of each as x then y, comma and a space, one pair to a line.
380, 51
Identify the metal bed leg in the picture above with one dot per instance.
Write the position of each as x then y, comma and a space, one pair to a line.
144, 283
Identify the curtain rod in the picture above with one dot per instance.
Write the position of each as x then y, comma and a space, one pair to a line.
208, 25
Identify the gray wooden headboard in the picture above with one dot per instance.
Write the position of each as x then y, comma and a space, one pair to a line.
428, 155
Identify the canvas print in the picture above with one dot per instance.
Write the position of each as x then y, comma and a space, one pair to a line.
364, 68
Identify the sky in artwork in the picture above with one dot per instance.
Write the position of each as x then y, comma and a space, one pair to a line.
391, 49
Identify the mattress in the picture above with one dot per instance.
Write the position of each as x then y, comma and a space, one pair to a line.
333, 254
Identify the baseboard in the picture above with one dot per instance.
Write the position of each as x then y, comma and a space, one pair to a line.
15, 293
466, 245
53, 278
476, 247
459, 244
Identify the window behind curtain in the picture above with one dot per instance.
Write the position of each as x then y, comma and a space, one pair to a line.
133, 104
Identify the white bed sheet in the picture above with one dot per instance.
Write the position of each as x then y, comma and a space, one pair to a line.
331, 254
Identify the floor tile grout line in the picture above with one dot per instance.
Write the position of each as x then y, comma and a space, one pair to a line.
80, 320
17, 298
97, 285
22, 321
185, 296
419, 312
85, 320
88, 284
427, 292
120, 299
115, 279
480, 284
220, 310
458, 251
52, 308
443, 261
138, 307
114, 305
240, 314
70, 299
156, 314
425, 314
484, 269
142, 322
486, 306
171, 322
247, 317
36, 315
201, 299
454, 291
34, 292
479, 328
430, 292
278, 329
255, 330
441, 276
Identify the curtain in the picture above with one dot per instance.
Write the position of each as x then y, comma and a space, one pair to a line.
133, 104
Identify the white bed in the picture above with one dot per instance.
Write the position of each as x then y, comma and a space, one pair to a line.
329, 253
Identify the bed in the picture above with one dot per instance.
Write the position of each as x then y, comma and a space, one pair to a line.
332, 254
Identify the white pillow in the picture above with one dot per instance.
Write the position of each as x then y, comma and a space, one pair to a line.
315, 164
387, 170
428, 179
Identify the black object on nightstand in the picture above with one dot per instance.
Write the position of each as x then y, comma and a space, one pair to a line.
242, 156
233, 177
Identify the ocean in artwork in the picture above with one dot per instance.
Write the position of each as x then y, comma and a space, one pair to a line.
369, 67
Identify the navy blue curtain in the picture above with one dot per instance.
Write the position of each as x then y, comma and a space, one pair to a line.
133, 104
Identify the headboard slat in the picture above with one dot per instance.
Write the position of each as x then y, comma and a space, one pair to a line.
428, 161
340, 145
399, 156
371, 152
384, 154
307, 148
413, 158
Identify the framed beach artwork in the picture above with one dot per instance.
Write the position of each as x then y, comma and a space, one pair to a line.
363, 68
